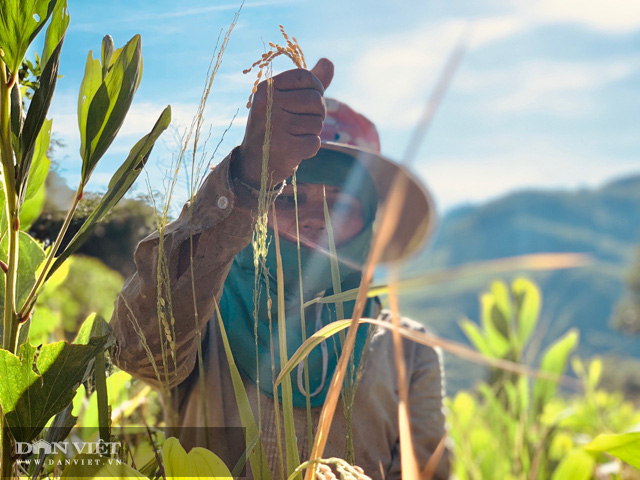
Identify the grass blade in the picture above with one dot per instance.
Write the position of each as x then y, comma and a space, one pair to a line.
536, 261
257, 456
293, 459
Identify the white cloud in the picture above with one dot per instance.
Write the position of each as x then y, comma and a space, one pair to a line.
562, 88
410, 63
473, 179
611, 16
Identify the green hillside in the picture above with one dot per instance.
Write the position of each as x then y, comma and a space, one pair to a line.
602, 222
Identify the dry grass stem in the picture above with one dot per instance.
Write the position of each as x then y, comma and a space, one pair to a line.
408, 460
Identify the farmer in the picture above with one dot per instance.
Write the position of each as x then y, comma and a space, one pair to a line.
336, 153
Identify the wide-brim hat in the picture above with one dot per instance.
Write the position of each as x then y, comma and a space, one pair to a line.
350, 133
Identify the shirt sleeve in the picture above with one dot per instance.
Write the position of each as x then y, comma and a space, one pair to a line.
171, 297
425, 402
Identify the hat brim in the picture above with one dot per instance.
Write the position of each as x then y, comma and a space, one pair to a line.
417, 216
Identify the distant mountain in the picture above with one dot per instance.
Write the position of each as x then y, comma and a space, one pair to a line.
602, 222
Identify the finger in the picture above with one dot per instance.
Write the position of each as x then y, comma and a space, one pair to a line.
296, 124
298, 148
297, 79
305, 101
323, 70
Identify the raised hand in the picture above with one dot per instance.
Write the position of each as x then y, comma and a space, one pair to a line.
297, 114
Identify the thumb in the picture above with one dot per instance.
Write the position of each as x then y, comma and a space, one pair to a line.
324, 71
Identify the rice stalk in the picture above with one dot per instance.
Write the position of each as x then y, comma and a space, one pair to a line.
303, 325
349, 389
387, 225
292, 50
293, 459
196, 178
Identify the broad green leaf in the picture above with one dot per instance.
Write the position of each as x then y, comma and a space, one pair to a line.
90, 83
92, 467
20, 23
30, 396
109, 103
595, 372
625, 446
554, 361
528, 304
57, 431
257, 456
56, 30
31, 209
576, 465
198, 463
93, 327
40, 162
118, 185
36, 115
107, 53
497, 338
475, 336
17, 119
502, 299
29, 259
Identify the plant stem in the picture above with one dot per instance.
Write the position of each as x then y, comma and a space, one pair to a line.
10, 325
52, 253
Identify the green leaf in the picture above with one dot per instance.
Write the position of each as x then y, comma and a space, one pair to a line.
198, 463
118, 185
40, 162
17, 119
56, 30
35, 388
502, 299
554, 361
90, 83
625, 446
20, 23
31, 209
576, 465
107, 53
30, 257
595, 372
108, 103
497, 338
36, 116
475, 336
528, 305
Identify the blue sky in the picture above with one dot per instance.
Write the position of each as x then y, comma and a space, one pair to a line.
547, 96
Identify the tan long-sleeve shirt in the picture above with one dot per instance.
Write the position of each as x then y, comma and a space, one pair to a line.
221, 226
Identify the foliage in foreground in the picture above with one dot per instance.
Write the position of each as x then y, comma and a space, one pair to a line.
513, 428
38, 383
